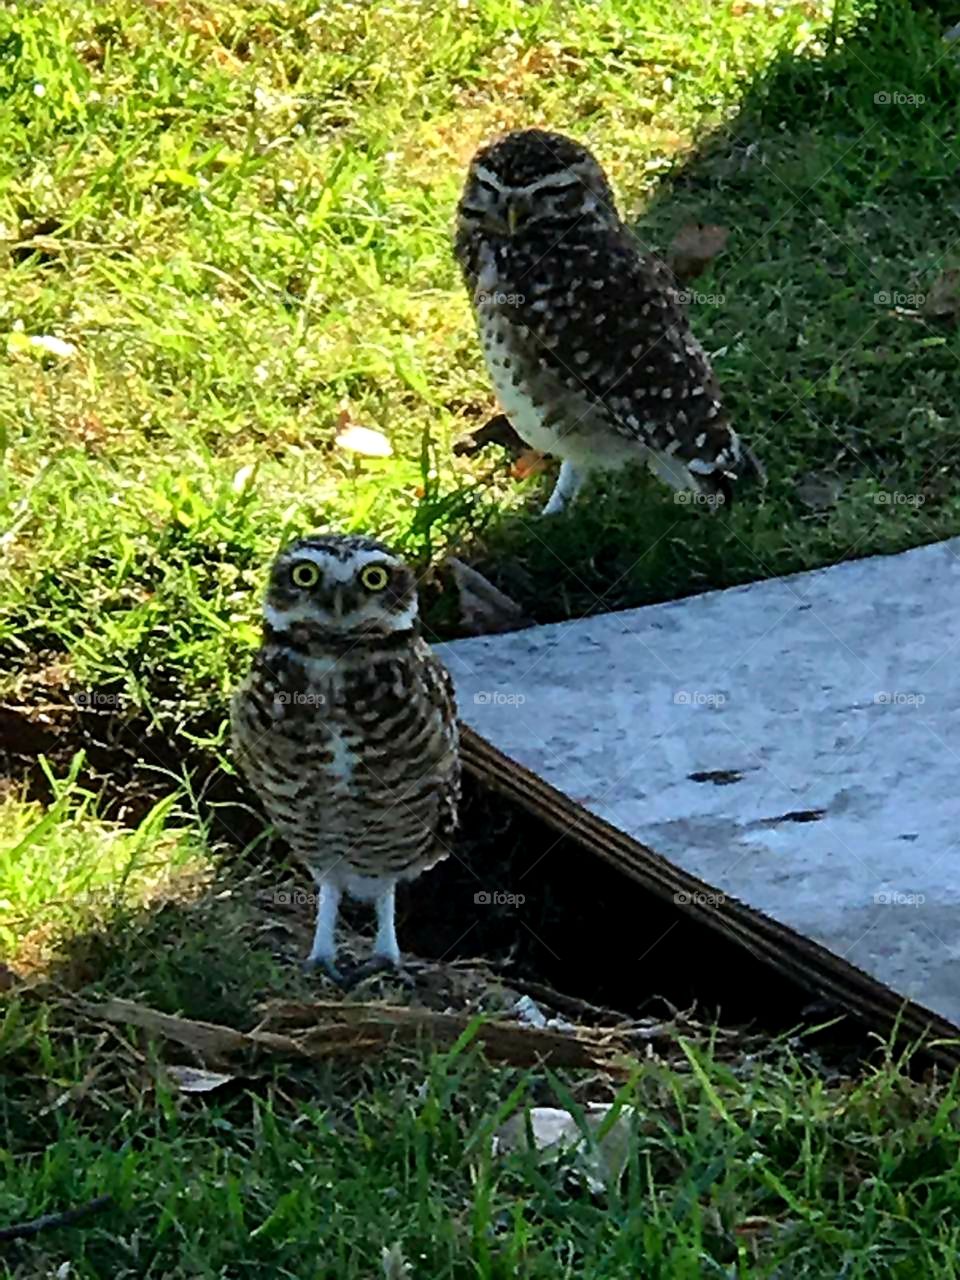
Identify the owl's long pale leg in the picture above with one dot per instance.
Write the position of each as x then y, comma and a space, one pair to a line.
323, 953
569, 483
385, 947
386, 953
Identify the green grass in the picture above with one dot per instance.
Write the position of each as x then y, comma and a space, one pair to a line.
762, 1171
64, 869
757, 1161
239, 216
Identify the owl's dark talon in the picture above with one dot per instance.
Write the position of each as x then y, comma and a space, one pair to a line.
382, 964
327, 967
499, 430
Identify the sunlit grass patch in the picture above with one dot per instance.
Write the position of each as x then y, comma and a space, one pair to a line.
238, 217
64, 870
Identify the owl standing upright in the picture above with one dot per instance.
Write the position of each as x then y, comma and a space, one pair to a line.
585, 338
346, 728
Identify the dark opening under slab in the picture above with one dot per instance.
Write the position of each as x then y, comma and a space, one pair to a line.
780, 755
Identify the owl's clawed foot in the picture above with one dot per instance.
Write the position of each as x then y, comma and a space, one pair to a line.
327, 966
348, 978
382, 965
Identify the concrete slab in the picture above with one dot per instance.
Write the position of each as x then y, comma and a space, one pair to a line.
793, 743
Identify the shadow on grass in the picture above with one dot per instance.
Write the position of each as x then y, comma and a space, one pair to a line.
512, 897
838, 181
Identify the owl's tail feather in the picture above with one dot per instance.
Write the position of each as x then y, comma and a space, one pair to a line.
719, 486
749, 466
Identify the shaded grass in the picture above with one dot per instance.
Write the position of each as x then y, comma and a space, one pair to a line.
773, 1163
762, 1171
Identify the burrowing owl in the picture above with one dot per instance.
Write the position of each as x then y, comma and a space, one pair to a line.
346, 728
585, 337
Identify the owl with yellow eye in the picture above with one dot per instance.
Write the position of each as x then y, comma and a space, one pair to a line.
346, 728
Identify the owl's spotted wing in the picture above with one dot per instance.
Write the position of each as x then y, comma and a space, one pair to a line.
611, 326
250, 717
438, 685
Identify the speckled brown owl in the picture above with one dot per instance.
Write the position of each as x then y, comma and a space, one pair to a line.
346, 728
585, 338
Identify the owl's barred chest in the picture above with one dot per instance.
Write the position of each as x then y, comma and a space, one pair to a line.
529, 395
350, 766
326, 734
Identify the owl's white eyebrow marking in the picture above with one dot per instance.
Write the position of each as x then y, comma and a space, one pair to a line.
563, 178
281, 620
555, 181
483, 175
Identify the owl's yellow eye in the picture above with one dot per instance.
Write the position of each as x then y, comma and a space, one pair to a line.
374, 577
305, 574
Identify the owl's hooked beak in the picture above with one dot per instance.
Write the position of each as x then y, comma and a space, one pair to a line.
338, 604
502, 226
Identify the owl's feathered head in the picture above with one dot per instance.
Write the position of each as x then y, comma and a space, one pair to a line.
532, 182
340, 586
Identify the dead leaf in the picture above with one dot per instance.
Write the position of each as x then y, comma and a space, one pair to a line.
227, 60
555, 1133
197, 1080
755, 1224
365, 440
942, 303
497, 431
694, 247
530, 463
819, 491
90, 429
484, 610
